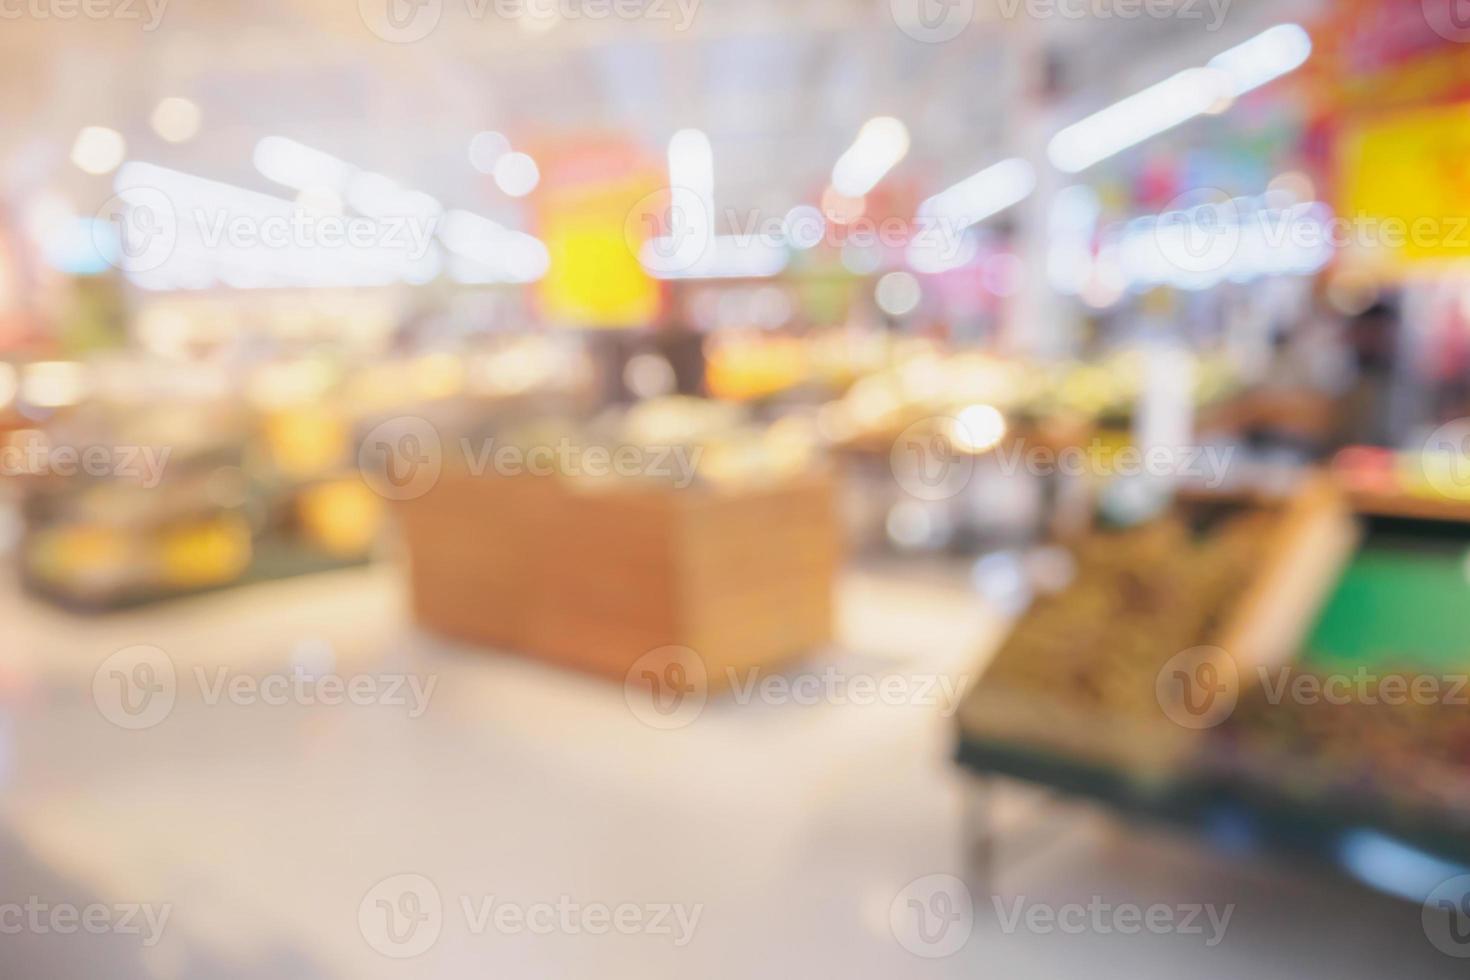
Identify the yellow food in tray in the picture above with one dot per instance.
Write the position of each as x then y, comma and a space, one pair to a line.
82, 554
209, 552
342, 517
304, 442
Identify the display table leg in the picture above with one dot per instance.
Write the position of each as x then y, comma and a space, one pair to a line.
979, 842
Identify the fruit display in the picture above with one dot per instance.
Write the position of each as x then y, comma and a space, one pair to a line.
203, 480
174, 514
925, 383
1078, 673
750, 365
1380, 750
1431, 483
1343, 707
1373, 711
676, 440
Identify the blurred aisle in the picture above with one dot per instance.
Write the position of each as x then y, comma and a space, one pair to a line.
264, 827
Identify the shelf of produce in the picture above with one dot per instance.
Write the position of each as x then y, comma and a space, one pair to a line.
1317, 779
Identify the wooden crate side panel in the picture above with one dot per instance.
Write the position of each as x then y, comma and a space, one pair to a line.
757, 574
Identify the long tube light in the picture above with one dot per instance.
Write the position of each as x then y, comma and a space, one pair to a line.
880, 145
1181, 97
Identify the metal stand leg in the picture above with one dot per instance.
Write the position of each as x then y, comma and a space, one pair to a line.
978, 832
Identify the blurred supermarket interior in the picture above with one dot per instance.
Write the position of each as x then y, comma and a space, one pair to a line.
724, 488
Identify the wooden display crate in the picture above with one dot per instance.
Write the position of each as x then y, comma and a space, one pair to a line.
596, 577
1312, 535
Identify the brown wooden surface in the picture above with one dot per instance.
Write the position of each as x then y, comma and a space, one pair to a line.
597, 578
1314, 535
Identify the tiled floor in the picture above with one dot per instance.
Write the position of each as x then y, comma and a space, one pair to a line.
792, 831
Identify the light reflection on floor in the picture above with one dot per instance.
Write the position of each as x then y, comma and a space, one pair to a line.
793, 827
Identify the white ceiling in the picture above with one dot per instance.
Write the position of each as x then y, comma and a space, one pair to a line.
780, 87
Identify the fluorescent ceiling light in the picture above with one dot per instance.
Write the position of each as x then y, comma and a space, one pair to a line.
728, 257
692, 250
1179, 98
1263, 58
976, 198
692, 163
239, 238
299, 166
1155, 110
501, 254
880, 145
